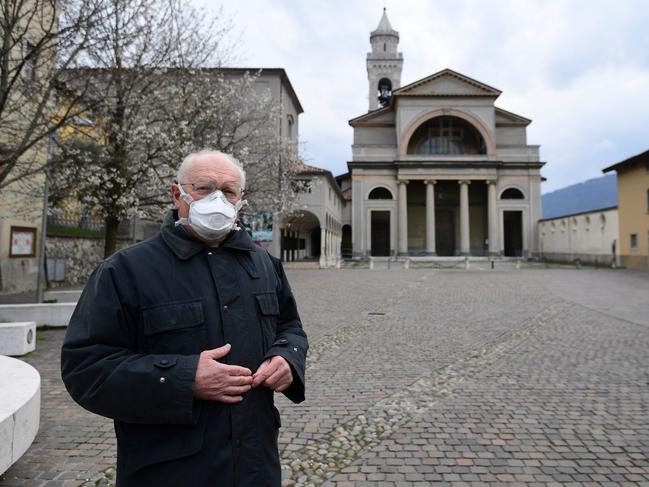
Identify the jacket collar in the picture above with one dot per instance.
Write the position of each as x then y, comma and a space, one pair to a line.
184, 245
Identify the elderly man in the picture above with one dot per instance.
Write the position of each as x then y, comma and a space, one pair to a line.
183, 339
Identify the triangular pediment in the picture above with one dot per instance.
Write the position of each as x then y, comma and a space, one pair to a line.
447, 83
382, 116
503, 117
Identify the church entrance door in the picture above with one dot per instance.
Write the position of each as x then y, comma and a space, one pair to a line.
380, 233
513, 229
445, 232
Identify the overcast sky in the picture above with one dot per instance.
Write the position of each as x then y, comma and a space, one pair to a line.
578, 69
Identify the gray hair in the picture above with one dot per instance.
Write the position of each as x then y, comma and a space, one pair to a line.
189, 160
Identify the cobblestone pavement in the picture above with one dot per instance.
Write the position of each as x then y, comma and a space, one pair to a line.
479, 377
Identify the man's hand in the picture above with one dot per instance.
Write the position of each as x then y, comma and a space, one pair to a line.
274, 373
220, 382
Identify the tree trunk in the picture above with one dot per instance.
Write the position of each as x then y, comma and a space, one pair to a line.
110, 242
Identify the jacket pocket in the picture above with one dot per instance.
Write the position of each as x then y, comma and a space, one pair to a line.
141, 445
176, 327
268, 306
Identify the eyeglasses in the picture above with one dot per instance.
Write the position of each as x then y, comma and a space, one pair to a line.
204, 188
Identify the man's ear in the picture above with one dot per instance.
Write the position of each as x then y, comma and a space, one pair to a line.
175, 194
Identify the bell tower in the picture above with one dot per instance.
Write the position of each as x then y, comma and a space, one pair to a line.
384, 63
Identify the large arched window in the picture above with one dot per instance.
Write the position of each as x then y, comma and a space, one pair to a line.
380, 193
446, 135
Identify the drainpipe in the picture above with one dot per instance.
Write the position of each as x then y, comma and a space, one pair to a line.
40, 286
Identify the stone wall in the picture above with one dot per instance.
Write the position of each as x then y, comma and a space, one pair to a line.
588, 236
81, 256
604, 260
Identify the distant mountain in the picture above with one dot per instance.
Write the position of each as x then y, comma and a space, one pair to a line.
590, 195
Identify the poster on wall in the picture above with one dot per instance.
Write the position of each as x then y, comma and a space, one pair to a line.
23, 242
260, 226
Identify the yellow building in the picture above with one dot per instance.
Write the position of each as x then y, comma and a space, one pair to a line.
633, 207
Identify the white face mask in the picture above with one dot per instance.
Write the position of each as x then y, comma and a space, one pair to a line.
211, 217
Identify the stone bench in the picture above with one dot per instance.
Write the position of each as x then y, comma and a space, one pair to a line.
17, 338
20, 408
52, 314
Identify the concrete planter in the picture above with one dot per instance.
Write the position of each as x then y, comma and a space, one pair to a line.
17, 338
66, 296
20, 406
57, 314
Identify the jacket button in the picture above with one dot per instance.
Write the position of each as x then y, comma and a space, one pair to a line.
164, 361
209, 253
162, 380
225, 308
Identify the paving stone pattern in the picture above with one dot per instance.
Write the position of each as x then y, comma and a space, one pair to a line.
421, 376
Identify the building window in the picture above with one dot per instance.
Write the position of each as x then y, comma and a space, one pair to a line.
446, 135
380, 194
290, 126
512, 194
633, 241
648, 200
30, 61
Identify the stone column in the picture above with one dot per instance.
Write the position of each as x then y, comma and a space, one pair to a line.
492, 217
277, 236
465, 242
403, 218
430, 216
323, 241
328, 247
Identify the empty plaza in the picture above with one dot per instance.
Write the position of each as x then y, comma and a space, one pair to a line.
528, 376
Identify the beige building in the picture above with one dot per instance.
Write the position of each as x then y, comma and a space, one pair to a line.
21, 198
633, 208
437, 168
20, 232
590, 236
313, 230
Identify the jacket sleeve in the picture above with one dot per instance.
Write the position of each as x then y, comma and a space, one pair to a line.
290, 339
103, 373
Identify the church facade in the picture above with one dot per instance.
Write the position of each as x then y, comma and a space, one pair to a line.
437, 168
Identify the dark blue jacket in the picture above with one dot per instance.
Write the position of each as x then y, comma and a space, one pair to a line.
131, 352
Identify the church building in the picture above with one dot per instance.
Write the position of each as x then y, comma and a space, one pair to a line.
437, 168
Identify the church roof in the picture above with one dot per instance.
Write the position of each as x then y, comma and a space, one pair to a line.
444, 83
384, 27
374, 114
479, 88
505, 118
300, 167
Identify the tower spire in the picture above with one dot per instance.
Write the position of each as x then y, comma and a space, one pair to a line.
384, 63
